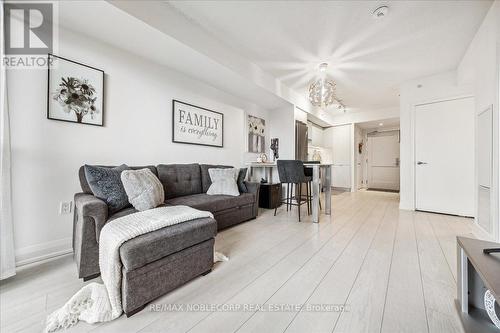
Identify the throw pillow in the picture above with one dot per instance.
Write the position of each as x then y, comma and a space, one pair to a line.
144, 189
223, 182
106, 184
241, 180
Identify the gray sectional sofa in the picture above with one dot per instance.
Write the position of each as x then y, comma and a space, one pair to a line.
158, 262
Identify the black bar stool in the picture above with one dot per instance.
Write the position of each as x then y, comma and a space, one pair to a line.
291, 172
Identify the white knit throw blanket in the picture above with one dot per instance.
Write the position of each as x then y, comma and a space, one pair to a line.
102, 302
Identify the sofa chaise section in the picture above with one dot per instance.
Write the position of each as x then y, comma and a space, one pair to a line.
158, 262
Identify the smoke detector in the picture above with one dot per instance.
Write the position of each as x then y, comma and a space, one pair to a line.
380, 12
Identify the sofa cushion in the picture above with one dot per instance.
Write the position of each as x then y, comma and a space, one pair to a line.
223, 182
242, 175
143, 188
155, 245
179, 179
85, 185
213, 203
205, 177
106, 185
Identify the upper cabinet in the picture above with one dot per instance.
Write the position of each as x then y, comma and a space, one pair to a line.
314, 135
328, 137
339, 139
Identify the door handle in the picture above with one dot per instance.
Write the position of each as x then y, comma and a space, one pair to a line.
420, 163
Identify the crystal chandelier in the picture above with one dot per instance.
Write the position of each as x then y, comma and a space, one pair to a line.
322, 91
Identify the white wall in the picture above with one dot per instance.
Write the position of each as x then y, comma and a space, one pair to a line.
478, 75
46, 154
359, 159
300, 115
433, 88
480, 67
282, 122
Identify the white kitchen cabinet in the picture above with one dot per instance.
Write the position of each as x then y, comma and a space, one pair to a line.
339, 139
341, 176
315, 135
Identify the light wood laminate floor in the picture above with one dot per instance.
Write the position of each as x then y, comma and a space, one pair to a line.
393, 270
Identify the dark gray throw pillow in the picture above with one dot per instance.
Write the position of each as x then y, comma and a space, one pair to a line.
241, 180
106, 184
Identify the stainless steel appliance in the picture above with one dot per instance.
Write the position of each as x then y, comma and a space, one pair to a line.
300, 141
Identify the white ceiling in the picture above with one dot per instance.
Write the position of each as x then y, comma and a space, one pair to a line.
113, 25
368, 58
391, 123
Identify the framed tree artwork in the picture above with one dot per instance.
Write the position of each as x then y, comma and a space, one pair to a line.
75, 92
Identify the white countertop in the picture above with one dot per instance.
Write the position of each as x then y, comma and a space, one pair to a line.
273, 164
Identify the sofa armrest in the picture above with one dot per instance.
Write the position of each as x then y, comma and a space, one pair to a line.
253, 187
87, 205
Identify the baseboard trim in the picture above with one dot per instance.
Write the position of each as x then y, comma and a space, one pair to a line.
42, 252
341, 189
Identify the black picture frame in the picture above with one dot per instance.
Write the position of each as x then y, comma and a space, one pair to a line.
49, 62
174, 101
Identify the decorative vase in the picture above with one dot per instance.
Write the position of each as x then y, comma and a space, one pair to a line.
316, 156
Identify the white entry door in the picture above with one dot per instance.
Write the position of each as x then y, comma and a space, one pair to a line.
383, 161
444, 157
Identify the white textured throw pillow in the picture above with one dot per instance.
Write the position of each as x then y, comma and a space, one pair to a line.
223, 182
143, 188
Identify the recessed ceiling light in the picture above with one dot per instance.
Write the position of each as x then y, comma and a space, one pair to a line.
381, 124
380, 12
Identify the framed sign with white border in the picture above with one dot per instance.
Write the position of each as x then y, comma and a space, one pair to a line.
195, 125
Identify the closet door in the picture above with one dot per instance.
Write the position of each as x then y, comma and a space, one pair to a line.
444, 157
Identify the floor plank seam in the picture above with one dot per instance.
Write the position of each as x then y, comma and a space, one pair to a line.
347, 244
99, 325
420, 271
326, 242
252, 260
442, 251
292, 250
363, 255
362, 263
351, 206
283, 258
389, 275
